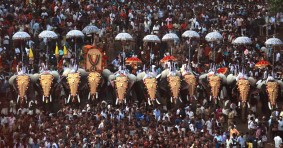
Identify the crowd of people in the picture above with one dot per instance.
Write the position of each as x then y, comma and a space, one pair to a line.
105, 125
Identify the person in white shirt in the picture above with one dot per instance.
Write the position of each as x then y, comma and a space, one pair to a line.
277, 141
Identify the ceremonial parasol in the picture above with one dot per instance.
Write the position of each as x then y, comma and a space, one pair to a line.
243, 40
170, 37
167, 59
213, 37
190, 34
273, 42
21, 35
133, 60
91, 29
46, 34
151, 39
222, 70
123, 36
262, 64
75, 34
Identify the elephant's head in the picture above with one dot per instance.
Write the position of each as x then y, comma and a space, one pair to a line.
191, 81
93, 82
150, 83
22, 84
121, 85
273, 90
174, 82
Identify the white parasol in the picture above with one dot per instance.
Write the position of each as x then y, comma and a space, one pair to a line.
213, 36
170, 37
21, 35
273, 42
123, 37
90, 29
151, 38
74, 34
48, 35
243, 40
190, 34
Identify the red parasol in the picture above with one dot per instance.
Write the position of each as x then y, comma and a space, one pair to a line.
133, 60
222, 70
168, 58
262, 64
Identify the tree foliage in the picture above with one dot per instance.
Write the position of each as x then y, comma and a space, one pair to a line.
275, 6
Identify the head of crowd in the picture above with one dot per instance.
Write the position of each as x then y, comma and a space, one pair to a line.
200, 112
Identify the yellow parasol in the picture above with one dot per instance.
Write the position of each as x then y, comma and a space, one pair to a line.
56, 51
65, 50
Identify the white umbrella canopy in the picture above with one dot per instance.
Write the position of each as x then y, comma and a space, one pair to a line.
243, 40
48, 34
213, 36
74, 34
21, 35
151, 38
123, 37
190, 34
170, 37
273, 42
90, 29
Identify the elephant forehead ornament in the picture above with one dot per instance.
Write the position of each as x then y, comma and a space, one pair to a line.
214, 82
46, 81
121, 84
192, 83
272, 91
73, 80
174, 84
22, 84
244, 88
151, 86
93, 82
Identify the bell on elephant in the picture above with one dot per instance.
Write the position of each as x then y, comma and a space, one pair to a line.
93, 82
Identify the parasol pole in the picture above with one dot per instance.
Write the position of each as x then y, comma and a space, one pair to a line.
22, 53
273, 61
75, 51
47, 53
189, 64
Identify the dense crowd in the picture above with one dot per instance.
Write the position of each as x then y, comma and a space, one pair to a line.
102, 125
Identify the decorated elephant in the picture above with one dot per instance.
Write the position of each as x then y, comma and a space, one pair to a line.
216, 85
243, 87
271, 89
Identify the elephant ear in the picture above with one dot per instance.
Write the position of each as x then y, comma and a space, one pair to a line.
230, 79
132, 78
252, 81
12, 79
140, 76
203, 76
106, 73
260, 83
34, 77
165, 73
66, 72
111, 77
82, 72
223, 77
55, 74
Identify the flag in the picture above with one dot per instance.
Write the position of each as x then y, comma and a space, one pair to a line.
65, 50
30, 55
56, 51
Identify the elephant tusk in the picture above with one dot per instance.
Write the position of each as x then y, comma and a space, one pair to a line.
26, 98
248, 104
195, 97
125, 101
180, 99
218, 98
276, 105
88, 96
69, 98
148, 101
210, 98
171, 99
187, 97
79, 100
42, 98
117, 101
239, 104
157, 101
269, 105
18, 99
50, 97
96, 95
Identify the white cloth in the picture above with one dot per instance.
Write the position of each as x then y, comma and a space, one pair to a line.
277, 141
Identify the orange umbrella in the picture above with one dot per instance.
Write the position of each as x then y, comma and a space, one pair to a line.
168, 58
262, 64
133, 60
222, 70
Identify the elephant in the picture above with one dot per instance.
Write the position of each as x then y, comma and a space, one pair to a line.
271, 89
243, 87
216, 88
